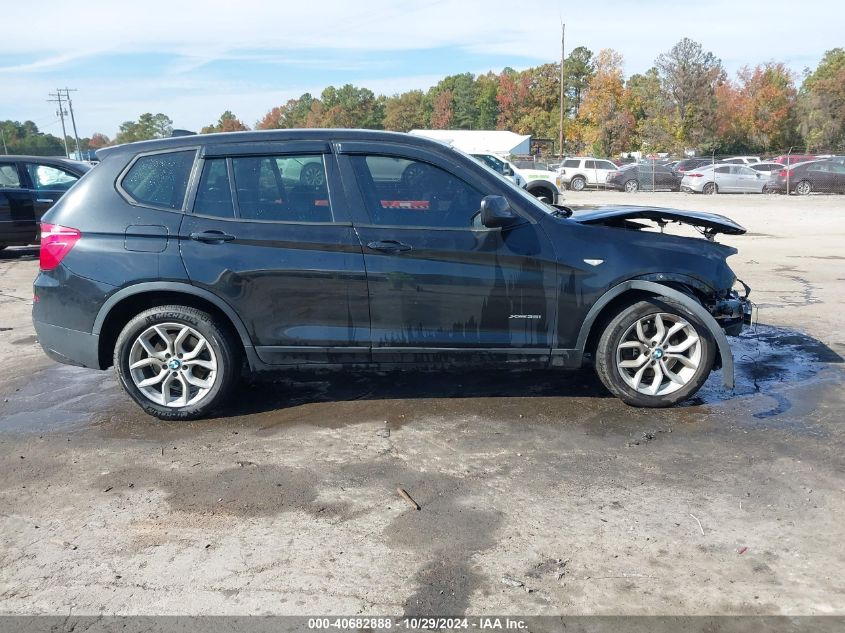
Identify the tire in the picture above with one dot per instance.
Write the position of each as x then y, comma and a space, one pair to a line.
577, 184
804, 188
636, 382
543, 192
709, 189
141, 356
632, 186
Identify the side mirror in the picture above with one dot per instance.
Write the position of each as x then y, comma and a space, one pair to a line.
496, 212
507, 171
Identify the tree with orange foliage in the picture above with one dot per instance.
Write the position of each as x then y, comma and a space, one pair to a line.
608, 123
228, 122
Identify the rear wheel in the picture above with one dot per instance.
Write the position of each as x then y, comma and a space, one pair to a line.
632, 186
176, 362
710, 188
804, 188
655, 353
577, 184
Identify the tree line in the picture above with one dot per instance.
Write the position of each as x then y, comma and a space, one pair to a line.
685, 101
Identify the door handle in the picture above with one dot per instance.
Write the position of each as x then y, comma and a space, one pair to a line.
389, 246
44, 200
212, 237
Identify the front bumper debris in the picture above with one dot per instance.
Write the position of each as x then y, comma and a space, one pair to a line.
733, 311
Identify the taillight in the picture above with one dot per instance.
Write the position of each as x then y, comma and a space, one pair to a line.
782, 173
693, 175
56, 242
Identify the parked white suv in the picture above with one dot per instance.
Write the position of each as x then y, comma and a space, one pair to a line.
541, 183
578, 173
741, 160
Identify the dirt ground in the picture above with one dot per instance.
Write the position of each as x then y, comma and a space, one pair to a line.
287, 503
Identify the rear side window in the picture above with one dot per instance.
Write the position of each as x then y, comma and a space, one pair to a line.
159, 180
590, 164
282, 188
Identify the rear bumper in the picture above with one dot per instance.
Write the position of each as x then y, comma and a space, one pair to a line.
70, 347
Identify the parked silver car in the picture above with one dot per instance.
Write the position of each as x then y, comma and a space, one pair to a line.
724, 179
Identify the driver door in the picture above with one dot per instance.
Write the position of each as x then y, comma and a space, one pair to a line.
442, 287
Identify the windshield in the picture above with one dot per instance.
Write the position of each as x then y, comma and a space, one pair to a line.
511, 186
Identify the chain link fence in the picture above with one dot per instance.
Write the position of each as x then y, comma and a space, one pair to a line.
791, 171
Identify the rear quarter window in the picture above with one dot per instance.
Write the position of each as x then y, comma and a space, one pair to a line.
159, 180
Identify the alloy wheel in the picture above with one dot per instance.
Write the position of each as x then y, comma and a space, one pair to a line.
631, 186
659, 354
172, 364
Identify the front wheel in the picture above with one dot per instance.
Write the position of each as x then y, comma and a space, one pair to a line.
577, 184
544, 194
176, 362
632, 186
655, 353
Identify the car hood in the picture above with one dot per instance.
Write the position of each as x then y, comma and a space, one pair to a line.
710, 223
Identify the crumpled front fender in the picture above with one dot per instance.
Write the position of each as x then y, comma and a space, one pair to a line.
670, 293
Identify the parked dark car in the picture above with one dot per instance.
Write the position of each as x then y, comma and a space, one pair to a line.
29, 186
646, 177
690, 164
181, 261
822, 176
792, 159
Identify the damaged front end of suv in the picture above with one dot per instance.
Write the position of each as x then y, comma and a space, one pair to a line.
669, 302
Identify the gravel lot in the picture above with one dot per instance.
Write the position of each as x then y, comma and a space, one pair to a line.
287, 504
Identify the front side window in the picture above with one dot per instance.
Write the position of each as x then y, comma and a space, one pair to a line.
282, 188
50, 177
604, 164
574, 163
405, 192
9, 178
160, 180
491, 162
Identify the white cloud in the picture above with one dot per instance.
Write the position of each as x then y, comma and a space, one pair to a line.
359, 38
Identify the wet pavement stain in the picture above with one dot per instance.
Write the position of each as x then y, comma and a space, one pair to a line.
247, 490
768, 360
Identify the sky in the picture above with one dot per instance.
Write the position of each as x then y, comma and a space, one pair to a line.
194, 59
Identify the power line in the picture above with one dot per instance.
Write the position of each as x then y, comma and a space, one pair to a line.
62, 96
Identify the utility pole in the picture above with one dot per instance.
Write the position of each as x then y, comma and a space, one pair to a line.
73, 121
61, 112
3, 136
562, 91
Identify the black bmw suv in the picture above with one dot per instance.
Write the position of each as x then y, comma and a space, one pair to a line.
185, 262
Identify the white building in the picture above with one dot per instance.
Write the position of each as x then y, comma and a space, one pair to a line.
499, 142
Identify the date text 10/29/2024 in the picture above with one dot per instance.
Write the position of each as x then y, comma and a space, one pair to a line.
417, 623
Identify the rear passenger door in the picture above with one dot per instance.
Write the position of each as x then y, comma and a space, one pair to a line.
724, 179
270, 234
